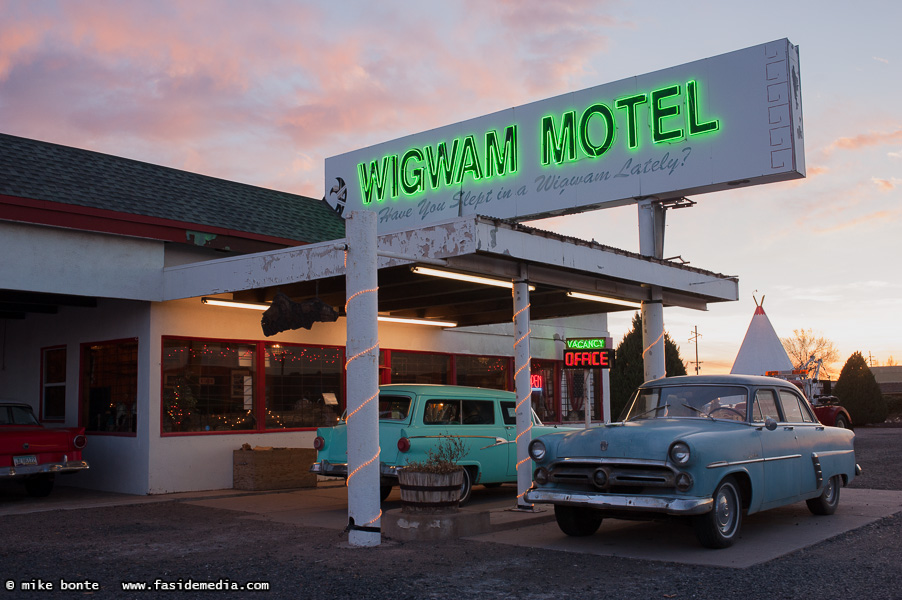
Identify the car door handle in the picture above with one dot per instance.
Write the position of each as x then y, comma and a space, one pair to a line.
788, 428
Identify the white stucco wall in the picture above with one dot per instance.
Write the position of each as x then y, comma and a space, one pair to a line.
66, 261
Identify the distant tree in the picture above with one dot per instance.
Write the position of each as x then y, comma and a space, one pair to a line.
858, 391
891, 362
804, 344
628, 371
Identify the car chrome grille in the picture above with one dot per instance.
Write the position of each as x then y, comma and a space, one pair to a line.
618, 476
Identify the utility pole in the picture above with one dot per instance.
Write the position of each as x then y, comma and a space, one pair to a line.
694, 338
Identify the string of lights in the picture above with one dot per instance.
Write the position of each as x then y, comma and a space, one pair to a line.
528, 395
652, 345
368, 400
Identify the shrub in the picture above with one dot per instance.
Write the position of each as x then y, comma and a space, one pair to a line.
859, 393
441, 459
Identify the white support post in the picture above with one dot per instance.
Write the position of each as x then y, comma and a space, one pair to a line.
364, 512
523, 388
651, 243
606, 394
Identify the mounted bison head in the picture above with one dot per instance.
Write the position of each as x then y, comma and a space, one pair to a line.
285, 313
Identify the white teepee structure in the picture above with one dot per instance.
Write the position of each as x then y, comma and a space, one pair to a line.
761, 350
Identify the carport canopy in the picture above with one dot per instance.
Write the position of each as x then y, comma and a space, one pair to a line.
554, 264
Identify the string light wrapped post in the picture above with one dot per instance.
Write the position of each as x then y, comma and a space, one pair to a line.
523, 388
364, 512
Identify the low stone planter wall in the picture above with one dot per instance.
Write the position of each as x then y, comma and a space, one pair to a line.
273, 469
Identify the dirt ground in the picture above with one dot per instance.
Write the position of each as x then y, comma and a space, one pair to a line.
172, 547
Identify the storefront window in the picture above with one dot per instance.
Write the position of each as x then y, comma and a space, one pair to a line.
53, 384
109, 386
303, 386
581, 388
483, 371
544, 395
208, 385
420, 367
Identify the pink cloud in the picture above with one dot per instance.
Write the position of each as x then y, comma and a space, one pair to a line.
309, 78
886, 185
865, 140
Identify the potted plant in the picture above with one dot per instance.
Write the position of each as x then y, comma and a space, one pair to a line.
434, 484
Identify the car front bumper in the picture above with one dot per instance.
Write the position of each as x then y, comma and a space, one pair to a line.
71, 466
671, 505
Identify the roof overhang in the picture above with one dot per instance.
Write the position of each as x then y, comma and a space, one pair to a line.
488, 247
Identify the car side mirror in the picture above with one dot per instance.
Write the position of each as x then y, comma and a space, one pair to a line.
770, 424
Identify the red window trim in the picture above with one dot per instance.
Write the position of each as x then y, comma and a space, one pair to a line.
259, 370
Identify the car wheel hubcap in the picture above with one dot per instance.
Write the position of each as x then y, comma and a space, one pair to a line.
725, 511
830, 490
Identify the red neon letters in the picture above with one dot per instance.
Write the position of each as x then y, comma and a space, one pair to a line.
586, 358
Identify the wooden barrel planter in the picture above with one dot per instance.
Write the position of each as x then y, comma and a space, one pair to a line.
430, 492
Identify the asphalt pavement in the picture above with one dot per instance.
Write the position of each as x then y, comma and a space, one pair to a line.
764, 535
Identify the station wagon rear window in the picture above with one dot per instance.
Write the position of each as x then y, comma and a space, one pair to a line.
393, 408
459, 412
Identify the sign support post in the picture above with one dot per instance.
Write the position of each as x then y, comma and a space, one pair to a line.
523, 387
364, 512
651, 243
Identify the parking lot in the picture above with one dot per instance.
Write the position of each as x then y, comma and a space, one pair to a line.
295, 539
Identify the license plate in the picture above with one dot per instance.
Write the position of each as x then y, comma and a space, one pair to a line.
25, 461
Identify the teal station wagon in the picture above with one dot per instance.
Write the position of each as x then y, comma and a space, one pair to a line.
414, 418
704, 447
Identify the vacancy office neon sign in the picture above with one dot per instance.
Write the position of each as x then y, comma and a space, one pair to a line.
672, 113
587, 353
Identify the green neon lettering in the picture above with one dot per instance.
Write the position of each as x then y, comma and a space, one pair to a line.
558, 144
584, 344
375, 182
440, 165
629, 104
659, 113
695, 126
469, 161
501, 161
419, 181
588, 147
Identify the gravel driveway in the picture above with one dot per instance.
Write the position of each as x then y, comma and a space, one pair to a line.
174, 545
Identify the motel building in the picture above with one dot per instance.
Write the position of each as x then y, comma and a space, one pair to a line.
131, 294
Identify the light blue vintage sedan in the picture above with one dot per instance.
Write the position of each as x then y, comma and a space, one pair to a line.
704, 447
415, 418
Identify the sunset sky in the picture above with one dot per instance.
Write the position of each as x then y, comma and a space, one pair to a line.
262, 92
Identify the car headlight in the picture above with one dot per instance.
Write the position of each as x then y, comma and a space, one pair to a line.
537, 450
540, 476
679, 453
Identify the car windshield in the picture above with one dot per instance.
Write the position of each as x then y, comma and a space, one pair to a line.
692, 401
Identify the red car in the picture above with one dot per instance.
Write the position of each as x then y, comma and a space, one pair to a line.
829, 412
35, 454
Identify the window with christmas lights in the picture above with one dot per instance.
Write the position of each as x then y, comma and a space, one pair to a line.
304, 386
208, 385
483, 371
420, 367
